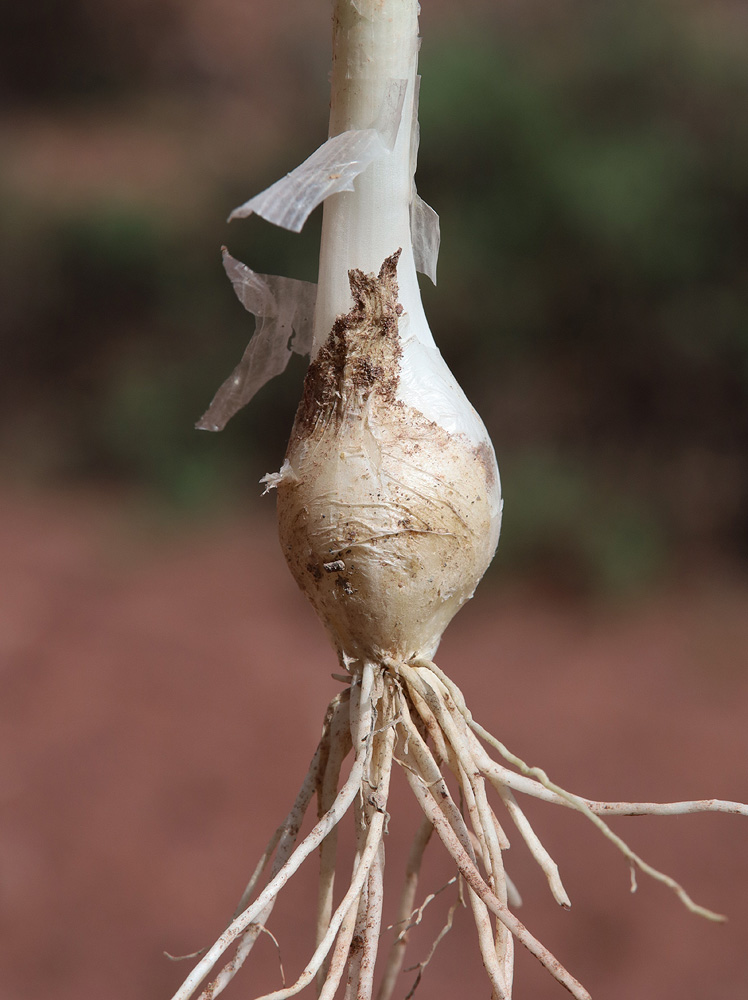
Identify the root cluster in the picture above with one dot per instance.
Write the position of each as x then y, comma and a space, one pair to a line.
412, 715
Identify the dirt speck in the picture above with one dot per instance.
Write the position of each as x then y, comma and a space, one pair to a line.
362, 353
484, 454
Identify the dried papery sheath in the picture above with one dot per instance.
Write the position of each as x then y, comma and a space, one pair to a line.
333, 167
284, 309
424, 228
288, 203
424, 221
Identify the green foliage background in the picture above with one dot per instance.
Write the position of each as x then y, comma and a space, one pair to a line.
589, 163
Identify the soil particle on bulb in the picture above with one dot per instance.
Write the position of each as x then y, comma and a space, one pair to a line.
361, 354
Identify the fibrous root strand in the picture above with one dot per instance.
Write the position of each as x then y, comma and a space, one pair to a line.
412, 714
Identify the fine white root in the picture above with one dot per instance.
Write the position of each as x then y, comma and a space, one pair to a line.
413, 714
357, 883
498, 976
543, 858
286, 834
528, 781
283, 839
475, 881
372, 925
416, 915
405, 912
343, 800
371, 849
339, 745
581, 805
423, 768
454, 704
339, 956
499, 775
432, 950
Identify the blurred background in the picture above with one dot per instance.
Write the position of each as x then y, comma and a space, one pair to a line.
588, 161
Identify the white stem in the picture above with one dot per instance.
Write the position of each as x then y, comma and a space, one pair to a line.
374, 43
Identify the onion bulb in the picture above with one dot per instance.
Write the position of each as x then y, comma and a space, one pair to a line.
387, 519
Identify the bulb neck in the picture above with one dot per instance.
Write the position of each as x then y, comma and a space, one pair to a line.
374, 43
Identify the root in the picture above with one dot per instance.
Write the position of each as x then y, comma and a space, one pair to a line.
405, 911
361, 696
475, 881
454, 704
412, 713
432, 950
339, 748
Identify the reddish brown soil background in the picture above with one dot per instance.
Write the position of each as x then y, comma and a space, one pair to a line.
162, 692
